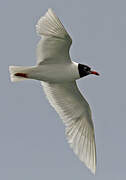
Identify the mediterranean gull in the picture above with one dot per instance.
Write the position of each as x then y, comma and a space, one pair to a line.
58, 75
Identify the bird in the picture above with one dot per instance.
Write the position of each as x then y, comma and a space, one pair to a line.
58, 75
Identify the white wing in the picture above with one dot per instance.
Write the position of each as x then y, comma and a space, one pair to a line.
75, 112
55, 43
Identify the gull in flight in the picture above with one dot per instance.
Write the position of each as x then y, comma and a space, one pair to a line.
58, 75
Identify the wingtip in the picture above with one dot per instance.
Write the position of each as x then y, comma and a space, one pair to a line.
91, 168
93, 171
50, 9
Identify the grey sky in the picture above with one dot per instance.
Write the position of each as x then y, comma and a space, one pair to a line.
32, 139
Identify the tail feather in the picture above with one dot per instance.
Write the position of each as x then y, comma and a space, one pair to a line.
18, 73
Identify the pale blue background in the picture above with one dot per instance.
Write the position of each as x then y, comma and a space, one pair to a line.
32, 140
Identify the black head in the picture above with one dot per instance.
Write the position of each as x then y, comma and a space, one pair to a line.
85, 70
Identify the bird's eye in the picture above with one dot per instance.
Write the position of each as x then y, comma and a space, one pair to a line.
86, 68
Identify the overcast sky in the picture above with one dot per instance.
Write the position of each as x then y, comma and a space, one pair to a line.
32, 140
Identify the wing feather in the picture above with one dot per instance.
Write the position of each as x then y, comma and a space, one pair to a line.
55, 44
76, 115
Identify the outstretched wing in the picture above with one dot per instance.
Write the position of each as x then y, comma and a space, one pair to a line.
75, 113
55, 42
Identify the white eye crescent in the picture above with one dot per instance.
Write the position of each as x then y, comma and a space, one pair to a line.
86, 68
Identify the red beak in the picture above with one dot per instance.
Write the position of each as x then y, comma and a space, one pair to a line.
94, 72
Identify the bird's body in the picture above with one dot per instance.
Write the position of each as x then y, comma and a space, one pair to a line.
54, 73
58, 75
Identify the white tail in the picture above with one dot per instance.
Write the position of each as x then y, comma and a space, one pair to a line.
17, 69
